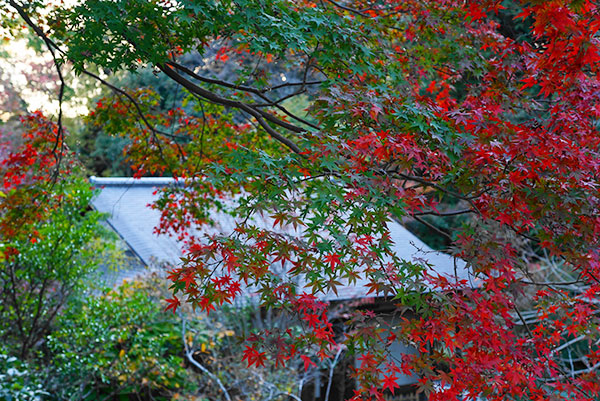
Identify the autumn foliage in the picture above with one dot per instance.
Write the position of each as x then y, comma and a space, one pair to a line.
30, 164
416, 110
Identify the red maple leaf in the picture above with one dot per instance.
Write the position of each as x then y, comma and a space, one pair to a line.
172, 303
307, 362
432, 87
253, 357
333, 259
189, 279
389, 382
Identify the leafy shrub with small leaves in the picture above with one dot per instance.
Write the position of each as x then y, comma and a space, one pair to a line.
122, 344
42, 269
116, 344
17, 381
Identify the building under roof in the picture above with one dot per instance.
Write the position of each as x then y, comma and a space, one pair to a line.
127, 200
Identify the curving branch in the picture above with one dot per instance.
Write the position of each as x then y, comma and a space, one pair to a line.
331, 370
258, 92
189, 353
262, 117
52, 48
230, 85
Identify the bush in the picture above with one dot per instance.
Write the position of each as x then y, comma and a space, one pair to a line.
121, 344
116, 344
40, 271
17, 381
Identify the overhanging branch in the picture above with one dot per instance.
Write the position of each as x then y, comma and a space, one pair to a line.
261, 116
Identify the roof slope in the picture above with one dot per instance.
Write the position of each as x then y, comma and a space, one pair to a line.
126, 200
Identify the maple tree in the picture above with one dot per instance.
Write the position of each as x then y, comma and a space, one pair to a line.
417, 108
49, 238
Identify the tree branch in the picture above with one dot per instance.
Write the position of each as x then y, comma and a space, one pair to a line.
261, 116
190, 356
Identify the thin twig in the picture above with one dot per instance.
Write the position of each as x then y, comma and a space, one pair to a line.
190, 356
331, 368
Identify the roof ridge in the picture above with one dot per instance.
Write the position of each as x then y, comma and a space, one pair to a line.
131, 181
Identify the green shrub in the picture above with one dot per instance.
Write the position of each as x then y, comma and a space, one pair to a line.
116, 344
40, 272
17, 381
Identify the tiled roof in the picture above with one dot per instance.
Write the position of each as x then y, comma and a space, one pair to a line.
126, 200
